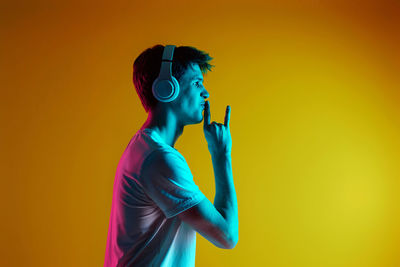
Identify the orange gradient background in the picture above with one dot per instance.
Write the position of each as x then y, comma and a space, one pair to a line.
315, 123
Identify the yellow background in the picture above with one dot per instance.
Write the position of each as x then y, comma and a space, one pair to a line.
314, 91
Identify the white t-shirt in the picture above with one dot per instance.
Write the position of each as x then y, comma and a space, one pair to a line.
153, 184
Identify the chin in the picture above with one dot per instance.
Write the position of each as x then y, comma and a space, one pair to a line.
196, 121
200, 119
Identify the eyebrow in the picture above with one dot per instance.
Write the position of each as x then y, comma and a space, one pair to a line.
197, 78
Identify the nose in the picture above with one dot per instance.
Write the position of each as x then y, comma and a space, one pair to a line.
204, 93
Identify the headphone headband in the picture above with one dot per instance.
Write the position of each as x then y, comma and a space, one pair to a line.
166, 64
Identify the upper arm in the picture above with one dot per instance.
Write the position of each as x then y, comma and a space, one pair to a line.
208, 222
167, 180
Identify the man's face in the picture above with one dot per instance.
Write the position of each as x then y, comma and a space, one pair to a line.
189, 105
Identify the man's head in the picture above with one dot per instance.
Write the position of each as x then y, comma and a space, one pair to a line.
188, 65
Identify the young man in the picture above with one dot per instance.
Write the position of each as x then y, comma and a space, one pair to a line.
156, 207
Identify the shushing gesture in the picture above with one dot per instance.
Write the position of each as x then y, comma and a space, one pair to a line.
218, 135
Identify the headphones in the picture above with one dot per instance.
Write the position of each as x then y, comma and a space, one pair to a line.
166, 87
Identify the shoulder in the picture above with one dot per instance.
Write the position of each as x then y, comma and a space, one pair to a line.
166, 160
165, 155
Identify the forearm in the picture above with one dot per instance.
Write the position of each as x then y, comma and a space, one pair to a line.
225, 200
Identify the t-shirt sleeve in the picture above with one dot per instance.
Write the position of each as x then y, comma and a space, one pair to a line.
167, 180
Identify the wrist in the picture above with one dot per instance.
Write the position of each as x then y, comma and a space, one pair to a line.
225, 155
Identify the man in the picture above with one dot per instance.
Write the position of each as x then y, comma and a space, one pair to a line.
156, 207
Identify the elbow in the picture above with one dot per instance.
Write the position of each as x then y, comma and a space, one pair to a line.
232, 242
230, 245
226, 243
233, 238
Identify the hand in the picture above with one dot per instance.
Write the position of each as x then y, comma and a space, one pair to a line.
218, 135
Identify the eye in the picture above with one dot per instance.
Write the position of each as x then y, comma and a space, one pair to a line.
197, 84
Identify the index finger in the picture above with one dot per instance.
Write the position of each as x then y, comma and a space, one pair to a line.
227, 116
207, 116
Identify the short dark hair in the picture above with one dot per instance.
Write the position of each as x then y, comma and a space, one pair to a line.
146, 69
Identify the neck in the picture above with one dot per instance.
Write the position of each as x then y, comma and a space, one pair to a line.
164, 122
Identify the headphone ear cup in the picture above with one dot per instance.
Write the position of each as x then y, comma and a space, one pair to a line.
176, 87
163, 90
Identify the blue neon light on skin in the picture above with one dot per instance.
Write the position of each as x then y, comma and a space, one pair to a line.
218, 223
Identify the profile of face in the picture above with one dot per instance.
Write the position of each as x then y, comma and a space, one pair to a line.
189, 104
